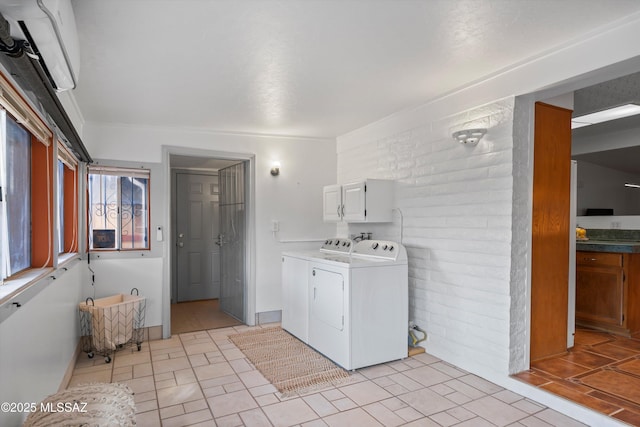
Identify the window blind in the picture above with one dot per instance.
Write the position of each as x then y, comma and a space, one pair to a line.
11, 101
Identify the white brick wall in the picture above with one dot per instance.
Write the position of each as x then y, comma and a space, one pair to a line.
456, 202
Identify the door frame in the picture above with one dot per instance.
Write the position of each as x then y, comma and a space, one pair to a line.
522, 214
250, 232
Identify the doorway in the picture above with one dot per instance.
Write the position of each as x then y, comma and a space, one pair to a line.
592, 372
589, 144
208, 264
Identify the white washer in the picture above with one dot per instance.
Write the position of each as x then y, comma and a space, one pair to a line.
357, 303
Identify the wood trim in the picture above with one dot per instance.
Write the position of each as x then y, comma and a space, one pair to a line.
41, 204
12, 100
550, 231
70, 210
66, 156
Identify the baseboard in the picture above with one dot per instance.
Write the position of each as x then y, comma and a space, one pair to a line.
269, 317
154, 333
72, 364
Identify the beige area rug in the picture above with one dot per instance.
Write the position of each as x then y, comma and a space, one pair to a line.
288, 363
97, 404
199, 316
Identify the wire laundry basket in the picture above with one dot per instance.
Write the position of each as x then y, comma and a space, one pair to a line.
112, 323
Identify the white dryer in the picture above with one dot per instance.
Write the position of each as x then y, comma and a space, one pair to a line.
295, 283
358, 304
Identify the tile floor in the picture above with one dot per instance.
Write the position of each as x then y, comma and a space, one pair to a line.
602, 372
202, 379
198, 316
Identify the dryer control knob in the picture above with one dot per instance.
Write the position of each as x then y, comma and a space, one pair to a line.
375, 245
385, 247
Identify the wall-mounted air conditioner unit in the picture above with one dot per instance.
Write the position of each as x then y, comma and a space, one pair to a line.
49, 25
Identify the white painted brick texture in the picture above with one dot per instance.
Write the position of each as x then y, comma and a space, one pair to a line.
456, 202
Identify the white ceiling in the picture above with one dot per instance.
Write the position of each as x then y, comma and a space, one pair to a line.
316, 68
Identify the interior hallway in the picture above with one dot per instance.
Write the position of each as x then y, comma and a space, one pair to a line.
199, 316
602, 371
202, 379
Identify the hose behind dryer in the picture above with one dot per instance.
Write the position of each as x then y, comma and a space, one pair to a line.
414, 335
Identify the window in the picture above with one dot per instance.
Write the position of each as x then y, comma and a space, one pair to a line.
16, 149
26, 211
118, 208
66, 195
29, 170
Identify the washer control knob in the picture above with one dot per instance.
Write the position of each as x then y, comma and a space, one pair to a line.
390, 248
385, 247
337, 242
375, 245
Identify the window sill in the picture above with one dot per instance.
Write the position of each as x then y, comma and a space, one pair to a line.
11, 288
64, 259
14, 291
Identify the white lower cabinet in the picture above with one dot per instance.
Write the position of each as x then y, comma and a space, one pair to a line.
295, 297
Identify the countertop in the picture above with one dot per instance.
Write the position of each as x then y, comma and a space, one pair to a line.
620, 246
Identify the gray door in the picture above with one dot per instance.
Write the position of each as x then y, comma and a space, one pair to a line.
197, 228
232, 239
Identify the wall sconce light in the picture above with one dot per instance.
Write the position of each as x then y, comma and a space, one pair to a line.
469, 136
275, 168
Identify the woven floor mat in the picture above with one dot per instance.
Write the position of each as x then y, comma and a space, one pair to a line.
289, 364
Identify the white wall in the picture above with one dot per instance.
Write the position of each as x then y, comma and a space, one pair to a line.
600, 187
38, 341
622, 138
120, 276
294, 198
456, 201
609, 222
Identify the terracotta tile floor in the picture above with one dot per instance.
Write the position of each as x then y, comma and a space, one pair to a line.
602, 371
199, 316
202, 379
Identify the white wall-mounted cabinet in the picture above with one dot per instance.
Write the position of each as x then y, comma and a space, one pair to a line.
332, 203
364, 201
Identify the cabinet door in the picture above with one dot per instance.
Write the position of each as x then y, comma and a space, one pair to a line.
332, 203
354, 200
599, 295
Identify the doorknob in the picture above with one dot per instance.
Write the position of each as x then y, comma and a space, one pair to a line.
180, 245
219, 242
